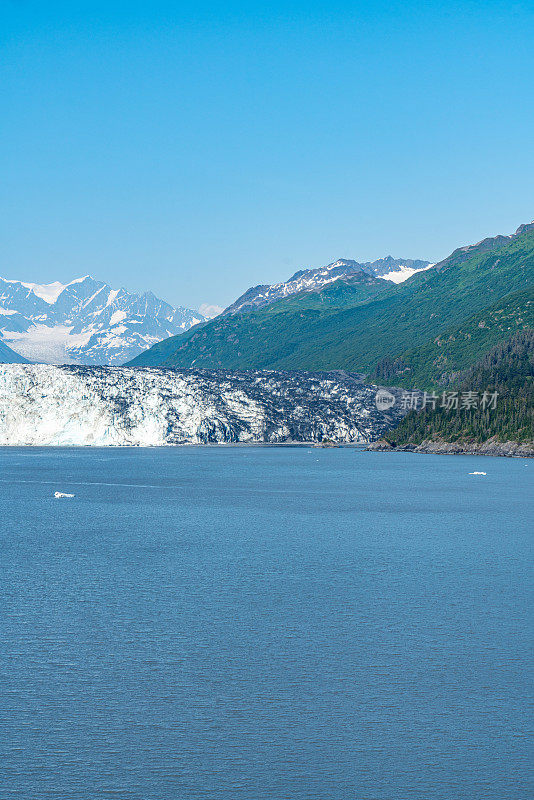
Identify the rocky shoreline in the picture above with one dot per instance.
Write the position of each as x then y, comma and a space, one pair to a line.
440, 447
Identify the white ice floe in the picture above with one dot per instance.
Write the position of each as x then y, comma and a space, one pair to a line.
62, 494
478, 473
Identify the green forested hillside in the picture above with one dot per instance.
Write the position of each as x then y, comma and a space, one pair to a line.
438, 362
508, 369
359, 326
343, 293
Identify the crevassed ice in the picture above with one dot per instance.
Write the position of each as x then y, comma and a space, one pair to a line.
101, 406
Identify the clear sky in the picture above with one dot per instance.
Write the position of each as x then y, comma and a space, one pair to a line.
196, 149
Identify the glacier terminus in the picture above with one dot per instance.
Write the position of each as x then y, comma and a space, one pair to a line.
46, 405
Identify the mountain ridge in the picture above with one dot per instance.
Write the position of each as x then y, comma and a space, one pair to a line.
315, 278
487, 244
8, 356
85, 321
366, 325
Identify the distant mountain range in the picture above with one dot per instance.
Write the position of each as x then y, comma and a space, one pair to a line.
88, 322
403, 322
464, 323
411, 333
312, 280
83, 322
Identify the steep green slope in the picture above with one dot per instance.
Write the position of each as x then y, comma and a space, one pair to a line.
367, 324
300, 312
507, 369
437, 363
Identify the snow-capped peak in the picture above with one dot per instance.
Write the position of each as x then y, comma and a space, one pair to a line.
85, 321
314, 279
49, 292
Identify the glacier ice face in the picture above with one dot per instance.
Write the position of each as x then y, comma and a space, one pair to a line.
70, 405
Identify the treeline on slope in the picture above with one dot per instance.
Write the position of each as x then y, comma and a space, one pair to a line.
507, 369
438, 363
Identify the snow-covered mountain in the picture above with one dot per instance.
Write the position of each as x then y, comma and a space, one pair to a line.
85, 321
100, 406
309, 280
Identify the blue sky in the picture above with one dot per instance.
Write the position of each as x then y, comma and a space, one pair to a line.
199, 148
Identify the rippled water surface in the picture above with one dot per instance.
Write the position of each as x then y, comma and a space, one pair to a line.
263, 624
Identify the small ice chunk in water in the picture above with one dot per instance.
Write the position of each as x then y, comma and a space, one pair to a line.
62, 494
478, 473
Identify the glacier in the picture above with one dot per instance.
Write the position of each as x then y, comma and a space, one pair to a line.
84, 322
45, 405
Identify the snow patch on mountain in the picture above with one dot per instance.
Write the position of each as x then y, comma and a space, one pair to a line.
44, 344
49, 292
210, 310
85, 321
402, 274
314, 279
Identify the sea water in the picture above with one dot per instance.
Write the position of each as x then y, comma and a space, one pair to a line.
238, 623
